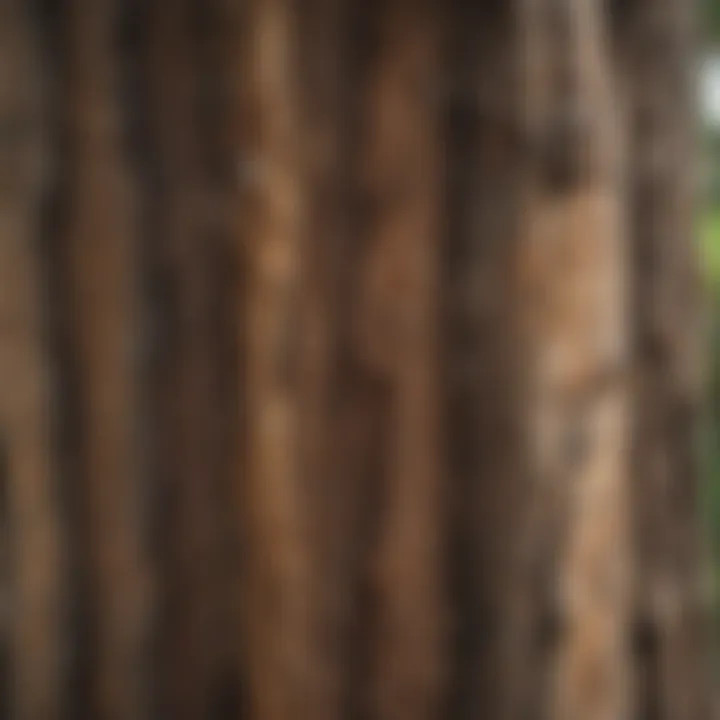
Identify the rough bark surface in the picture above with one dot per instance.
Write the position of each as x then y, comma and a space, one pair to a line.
369, 344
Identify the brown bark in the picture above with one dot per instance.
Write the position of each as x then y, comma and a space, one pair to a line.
330, 478
397, 332
32, 607
100, 282
388, 306
276, 618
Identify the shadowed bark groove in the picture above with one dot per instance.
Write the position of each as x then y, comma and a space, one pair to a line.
187, 461
481, 365
219, 46
31, 610
226, 61
100, 282
330, 478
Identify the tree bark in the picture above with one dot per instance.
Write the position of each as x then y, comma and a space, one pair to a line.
331, 481
32, 604
481, 366
573, 275
187, 461
273, 507
397, 331
407, 290
100, 280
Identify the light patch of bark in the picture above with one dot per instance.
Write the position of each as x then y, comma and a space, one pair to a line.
276, 622
574, 270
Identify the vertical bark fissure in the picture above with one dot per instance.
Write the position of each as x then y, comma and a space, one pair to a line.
186, 411
218, 47
331, 482
480, 357
100, 284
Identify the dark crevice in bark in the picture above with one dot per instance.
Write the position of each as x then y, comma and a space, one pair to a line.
484, 145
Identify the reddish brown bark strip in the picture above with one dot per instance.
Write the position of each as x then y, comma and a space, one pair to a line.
398, 325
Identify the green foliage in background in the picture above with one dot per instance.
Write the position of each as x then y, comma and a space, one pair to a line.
710, 16
709, 256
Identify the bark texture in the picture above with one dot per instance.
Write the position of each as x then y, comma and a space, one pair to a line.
187, 418
348, 360
274, 206
574, 269
397, 332
101, 284
31, 605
